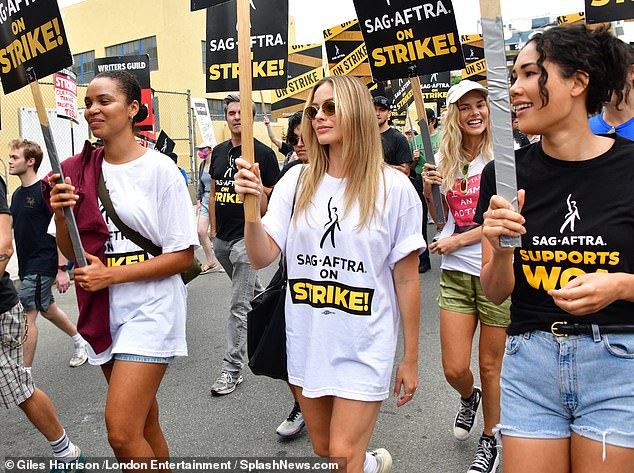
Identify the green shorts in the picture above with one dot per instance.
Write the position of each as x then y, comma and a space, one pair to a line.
462, 292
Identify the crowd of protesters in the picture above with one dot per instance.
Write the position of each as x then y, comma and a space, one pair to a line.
556, 340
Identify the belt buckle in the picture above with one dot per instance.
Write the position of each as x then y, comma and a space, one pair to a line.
554, 329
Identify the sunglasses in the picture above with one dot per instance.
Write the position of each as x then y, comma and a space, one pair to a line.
327, 107
464, 185
293, 140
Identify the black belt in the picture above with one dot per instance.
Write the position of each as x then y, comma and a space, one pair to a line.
563, 329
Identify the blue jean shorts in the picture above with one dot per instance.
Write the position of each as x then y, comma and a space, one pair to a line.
143, 358
204, 205
36, 292
553, 386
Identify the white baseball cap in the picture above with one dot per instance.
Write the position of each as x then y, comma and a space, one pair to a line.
463, 87
204, 144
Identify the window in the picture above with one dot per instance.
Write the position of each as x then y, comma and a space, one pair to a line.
84, 66
216, 109
138, 46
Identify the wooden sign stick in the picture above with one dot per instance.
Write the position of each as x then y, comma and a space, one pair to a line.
71, 223
500, 102
246, 100
438, 211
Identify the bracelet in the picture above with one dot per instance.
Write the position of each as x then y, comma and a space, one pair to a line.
62, 267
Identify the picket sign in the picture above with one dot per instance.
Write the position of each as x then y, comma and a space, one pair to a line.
246, 94
499, 98
438, 211
46, 56
56, 166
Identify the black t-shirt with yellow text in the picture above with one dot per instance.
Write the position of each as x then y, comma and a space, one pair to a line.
579, 219
229, 208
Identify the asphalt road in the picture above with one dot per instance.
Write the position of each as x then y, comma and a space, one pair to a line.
242, 424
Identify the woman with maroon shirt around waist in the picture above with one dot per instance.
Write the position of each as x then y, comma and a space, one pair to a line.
567, 384
146, 295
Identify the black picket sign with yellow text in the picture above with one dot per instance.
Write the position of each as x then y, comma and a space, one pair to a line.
32, 36
409, 37
269, 46
599, 11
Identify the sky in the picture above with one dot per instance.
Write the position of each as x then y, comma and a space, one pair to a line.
312, 17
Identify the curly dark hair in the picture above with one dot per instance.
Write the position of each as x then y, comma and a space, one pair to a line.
604, 58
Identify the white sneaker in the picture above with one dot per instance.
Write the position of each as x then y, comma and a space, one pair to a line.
383, 460
80, 355
225, 384
293, 424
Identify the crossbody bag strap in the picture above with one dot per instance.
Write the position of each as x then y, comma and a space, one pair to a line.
127, 232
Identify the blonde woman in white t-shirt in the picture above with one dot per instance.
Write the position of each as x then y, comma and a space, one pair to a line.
351, 236
465, 148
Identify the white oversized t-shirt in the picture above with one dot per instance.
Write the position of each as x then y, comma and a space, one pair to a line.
342, 315
148, 317
462, 207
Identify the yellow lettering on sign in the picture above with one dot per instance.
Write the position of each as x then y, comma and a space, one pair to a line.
299, 84
351, 61
270, 68
31, 44
474, 69
602, 3
438, 45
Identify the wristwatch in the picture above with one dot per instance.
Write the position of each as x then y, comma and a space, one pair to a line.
62, 267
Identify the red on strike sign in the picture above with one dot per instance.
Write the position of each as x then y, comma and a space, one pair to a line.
66, 95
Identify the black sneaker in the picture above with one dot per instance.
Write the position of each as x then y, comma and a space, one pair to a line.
466, 418
487, 458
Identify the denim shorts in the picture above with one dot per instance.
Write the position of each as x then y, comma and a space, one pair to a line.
36, 292
204, 205
143, 358
462, 292
553, 386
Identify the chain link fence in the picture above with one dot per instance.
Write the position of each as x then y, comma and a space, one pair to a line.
19, 120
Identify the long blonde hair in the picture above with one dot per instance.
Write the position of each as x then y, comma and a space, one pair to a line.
362, 150
452, 149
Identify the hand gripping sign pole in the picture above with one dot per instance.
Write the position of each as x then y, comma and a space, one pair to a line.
499, 97
427, 146
246, 92
71, 223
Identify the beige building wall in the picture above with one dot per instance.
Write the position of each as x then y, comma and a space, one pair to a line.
97, 24
179, 33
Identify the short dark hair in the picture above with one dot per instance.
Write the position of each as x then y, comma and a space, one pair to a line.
431, 116
129, 85
231, 98
293, 121
30, 149
603, 57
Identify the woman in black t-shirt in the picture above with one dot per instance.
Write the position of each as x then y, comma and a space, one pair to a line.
567, 402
